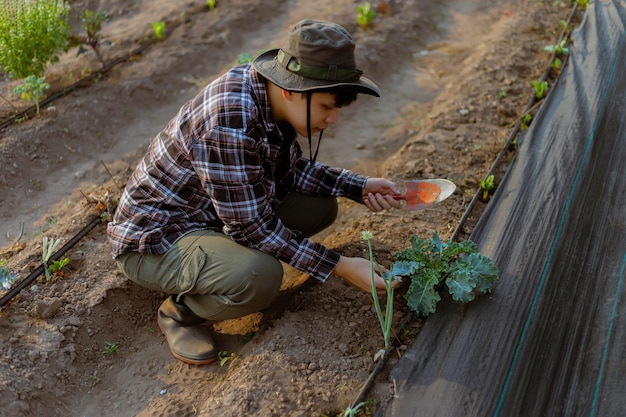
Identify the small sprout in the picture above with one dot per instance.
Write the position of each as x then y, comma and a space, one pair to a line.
159, 30
487, 185
210, 4
110, 348
559, 49
32, 89
244, 58
47, 249
56, 267
365, 14
540, 88
6, 276
526, 121
223, 357
556, 65
352, 412
582, 4
503, 92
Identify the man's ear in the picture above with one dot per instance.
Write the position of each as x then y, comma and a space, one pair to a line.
287, 95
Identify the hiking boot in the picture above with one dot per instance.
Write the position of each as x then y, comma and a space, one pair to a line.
187, 339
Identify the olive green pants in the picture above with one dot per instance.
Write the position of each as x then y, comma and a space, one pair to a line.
217, 278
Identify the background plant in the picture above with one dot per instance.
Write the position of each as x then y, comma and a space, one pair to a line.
32, 33
91, 24
159, 30
32, 89
365, 14
432, 263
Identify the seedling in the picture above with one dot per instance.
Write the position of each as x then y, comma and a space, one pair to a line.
352, 412
582, 4
526, 120
385, 320
558, 50
540, 88
110, 348
56, 267
91, 25
365, 14
244, 58
431, 263
223, 357
6, 276
32, 33
47, 250
487, 185
210, 4
159, 30
32, 89
556, 65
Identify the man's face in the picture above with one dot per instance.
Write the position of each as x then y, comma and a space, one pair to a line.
323, 111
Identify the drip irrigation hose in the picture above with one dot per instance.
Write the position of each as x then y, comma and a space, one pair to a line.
531, 104
33, 276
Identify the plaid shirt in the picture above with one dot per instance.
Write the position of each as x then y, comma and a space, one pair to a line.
222, 163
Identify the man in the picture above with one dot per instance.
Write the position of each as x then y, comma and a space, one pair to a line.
224, 194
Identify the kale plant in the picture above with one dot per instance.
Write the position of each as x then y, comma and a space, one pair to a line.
431, 263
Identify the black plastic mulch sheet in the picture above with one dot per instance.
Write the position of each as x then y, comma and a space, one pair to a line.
551, 339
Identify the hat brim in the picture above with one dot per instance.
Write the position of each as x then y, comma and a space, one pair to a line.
268, 67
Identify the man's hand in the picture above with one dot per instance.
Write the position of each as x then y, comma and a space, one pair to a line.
378, 194
357, 272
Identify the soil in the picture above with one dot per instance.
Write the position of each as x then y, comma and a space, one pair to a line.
456, 77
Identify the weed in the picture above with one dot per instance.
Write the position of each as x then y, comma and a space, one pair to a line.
159, 30
32, 89
540, 88
223, 357
365, 14
110, 348
503, 92
6, 276
487, 185
32, 33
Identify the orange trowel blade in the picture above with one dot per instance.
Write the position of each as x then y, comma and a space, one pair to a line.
426, 193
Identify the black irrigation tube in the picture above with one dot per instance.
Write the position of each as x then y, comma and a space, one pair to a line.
33, 276
383, 361
515, 131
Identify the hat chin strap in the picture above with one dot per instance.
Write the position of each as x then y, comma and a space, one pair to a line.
312, 157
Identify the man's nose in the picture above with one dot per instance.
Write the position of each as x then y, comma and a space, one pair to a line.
332, 116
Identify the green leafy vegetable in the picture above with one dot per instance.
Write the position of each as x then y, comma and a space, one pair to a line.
431, 263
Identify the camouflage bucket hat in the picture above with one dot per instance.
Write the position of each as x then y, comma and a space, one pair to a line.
319, 55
